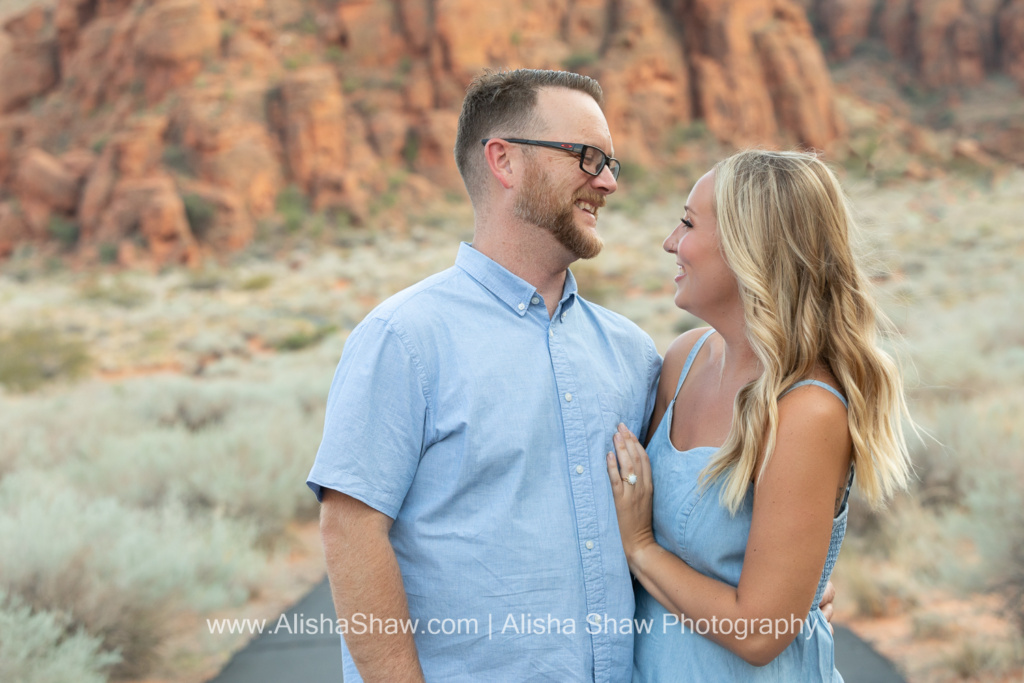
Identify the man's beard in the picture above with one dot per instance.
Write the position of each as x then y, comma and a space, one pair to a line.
537, 204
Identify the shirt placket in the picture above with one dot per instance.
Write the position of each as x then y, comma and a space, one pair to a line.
581, 485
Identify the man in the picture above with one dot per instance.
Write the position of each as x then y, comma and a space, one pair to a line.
462, 470
467, 518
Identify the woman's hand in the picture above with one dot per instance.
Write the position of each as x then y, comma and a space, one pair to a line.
629, 470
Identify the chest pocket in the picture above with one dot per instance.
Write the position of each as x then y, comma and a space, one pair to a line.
616, 408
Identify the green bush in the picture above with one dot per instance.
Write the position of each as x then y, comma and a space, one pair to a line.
42, 647
238, 448
201, 215
592, 284
293, 207
120, 573
632, 173
411, 148
303, 339
108, 252
119, 292
63, 230
256, 282
177, 158
579, 60
680, 136
33, 356
206, 280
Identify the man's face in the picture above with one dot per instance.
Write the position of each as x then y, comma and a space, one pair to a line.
555, 194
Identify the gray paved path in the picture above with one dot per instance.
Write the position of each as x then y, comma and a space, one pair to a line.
292, 658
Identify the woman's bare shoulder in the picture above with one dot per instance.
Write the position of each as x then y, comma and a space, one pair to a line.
676, 355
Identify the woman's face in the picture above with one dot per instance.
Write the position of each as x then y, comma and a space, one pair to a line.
705, 286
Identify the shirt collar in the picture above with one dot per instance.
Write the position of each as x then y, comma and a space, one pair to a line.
516, 292
569, 291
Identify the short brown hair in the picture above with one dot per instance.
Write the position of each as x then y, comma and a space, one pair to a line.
501, 103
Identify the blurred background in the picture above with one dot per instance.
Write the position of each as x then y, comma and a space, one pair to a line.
199, 199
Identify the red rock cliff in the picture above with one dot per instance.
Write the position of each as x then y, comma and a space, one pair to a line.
947, 42
175, 124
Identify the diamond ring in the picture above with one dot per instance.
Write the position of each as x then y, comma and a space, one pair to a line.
631, 480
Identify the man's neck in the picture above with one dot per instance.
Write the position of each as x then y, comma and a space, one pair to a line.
530, 253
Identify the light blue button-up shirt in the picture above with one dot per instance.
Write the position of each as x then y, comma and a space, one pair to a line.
481, 425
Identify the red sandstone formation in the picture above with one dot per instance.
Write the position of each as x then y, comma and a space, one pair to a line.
947, 42
176, 124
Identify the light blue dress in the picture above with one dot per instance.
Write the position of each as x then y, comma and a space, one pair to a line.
693, 524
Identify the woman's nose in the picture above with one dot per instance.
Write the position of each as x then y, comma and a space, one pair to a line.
671, 241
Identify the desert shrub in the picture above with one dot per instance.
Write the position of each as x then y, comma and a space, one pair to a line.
592, 284
335, 55
972, 659
119, 573
235, 447
875, 588
32, 356
118, 291
107, 252
927, 626
256, 282
1013, 581
687, 322
177, 157
201, 214
302, 339
632, 173
205, 280
681, 136
971, 488
985, 336
579, 60
41, 647
293, 207
411, 147
63, 230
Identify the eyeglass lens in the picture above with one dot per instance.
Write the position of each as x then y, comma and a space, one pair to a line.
594, 160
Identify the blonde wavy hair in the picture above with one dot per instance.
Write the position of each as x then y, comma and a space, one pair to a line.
784, 226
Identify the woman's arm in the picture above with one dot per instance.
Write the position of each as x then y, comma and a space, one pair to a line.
789, 533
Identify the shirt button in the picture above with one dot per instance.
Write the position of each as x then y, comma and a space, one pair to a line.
562, 317
579, 469
590, 545
522, 306
597, 618
551, 333
534, 301
568, 397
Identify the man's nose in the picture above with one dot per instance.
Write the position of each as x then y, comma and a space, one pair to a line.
604, 182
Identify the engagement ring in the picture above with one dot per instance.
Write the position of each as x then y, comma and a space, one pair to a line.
631, 480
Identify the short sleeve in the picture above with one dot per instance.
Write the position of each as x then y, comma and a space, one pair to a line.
375, 421
653, 373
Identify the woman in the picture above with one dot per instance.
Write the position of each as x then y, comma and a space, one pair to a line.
759, 425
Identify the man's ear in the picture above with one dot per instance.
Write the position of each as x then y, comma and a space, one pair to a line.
498, 154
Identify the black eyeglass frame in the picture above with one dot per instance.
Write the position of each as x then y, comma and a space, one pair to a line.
574, 148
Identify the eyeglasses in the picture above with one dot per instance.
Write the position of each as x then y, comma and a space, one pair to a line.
592, 159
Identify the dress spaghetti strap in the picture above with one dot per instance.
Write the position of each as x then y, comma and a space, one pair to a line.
834, 392
689, 361
805, 382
